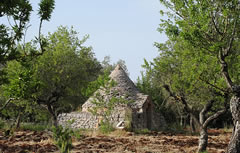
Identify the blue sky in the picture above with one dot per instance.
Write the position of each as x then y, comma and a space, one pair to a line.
121, 29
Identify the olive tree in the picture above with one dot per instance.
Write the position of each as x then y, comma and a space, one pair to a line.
211, 28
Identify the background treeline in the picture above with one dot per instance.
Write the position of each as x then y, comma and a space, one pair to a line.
57, 81
48, 75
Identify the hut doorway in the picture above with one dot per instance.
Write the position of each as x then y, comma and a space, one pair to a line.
149, 116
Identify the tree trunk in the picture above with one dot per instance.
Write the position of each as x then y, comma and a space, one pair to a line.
234, 144
18, 120
54, 117
203, 140
192, 125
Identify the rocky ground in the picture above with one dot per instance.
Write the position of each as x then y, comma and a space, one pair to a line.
118, 142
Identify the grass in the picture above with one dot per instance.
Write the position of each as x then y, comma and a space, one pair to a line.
175, 128
142, 131
33, 127
227, 128
78, 134
106, 127
119, 133
6, 125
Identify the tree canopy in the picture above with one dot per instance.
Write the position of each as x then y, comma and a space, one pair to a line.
205, 36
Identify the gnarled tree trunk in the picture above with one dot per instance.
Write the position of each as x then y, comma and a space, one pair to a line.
234, 144
203, 140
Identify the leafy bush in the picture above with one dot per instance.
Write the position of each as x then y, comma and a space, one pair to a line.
78, 134
128, 120
63, 138
105, 127
2, 124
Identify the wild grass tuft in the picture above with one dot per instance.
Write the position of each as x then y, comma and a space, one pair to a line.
142, 131
34, 127
106, 127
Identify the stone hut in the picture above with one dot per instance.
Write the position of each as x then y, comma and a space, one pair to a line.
141, 111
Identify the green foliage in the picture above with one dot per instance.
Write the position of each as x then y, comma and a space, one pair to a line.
63, 138
17, 58
141, 131
21, 81
104, 100
108, 67
103, 106
106, 127
149, 85
9, 131
128, 120
101, 81
34, 127
45, 9
210, 32
66, 67
78, 134
2, 124
54, 79
18, 14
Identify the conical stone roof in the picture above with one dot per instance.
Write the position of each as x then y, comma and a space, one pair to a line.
124, 87
124, 83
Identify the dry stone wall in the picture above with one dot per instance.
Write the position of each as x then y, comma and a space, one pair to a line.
137, 119
86, 120
81, 120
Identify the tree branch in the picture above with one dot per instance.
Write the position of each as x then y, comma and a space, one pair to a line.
215, 26
214, 116
224, 70
183, 101
205, 109
218, 113
39, 36
214, 86
6, 103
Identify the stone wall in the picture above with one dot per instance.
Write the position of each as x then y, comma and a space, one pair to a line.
118, 115
138, 119
86, 120
82, 120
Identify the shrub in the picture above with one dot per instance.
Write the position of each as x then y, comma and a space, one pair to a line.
78, 134
63, 138
105, 127
2, 124
128, 120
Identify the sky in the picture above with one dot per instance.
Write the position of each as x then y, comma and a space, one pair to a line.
121, 29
